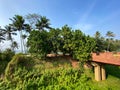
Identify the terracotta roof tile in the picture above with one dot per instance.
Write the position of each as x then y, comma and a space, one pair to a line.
107, 57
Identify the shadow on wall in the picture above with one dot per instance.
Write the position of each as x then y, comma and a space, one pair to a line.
113, 70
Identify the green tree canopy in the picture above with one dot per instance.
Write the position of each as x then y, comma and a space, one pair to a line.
43, 23
54, 39
38, 42
110, 35
66, 40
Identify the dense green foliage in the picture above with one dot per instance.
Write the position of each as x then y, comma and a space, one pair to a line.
82, 46
66, 38
17, 61
58, 40
106, 44
60, 79
21, 74
63, 40
24, 72
5, 57
27, 72
54, 40
38, 43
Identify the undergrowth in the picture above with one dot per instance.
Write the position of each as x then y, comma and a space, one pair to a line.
26, 73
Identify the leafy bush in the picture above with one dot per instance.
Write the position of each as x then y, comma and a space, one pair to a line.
17, 61
60, 79
7, 55
64, 40
38, 43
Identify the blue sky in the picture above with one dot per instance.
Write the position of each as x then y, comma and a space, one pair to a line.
86, 15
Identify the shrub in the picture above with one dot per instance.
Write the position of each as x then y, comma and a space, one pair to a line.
17, 61
38, 43
7, 55
60, 79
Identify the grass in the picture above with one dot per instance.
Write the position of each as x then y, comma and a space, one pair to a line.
111, 83
52, 63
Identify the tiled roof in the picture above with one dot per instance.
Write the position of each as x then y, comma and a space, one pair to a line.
107, 57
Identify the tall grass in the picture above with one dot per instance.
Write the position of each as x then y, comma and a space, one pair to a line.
26, 73
60, 79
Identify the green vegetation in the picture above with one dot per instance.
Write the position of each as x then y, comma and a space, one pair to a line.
5, 57
33, 70
106, 44
24, 72
62, 39
112, 81
65, 40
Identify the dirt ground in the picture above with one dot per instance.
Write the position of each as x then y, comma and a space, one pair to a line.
106, 57
68, 58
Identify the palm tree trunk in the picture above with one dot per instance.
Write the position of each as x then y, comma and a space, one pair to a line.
21, 40
24, 45
12, 45
108, 45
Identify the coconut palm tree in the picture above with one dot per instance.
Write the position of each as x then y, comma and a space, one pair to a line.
14, 45
18, 25
110, 35
97, 35
43, 23
9, 32
32, 19
24, 42
27, 28
2, 37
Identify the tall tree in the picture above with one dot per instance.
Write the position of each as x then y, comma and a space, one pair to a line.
110, 35
24, 42
99, 42
38, 43
2, 35
9, 32
14, 45
97, 34
27, 28
54, 39
82, 46
66, 34
43, 23
32, 19
18, 23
